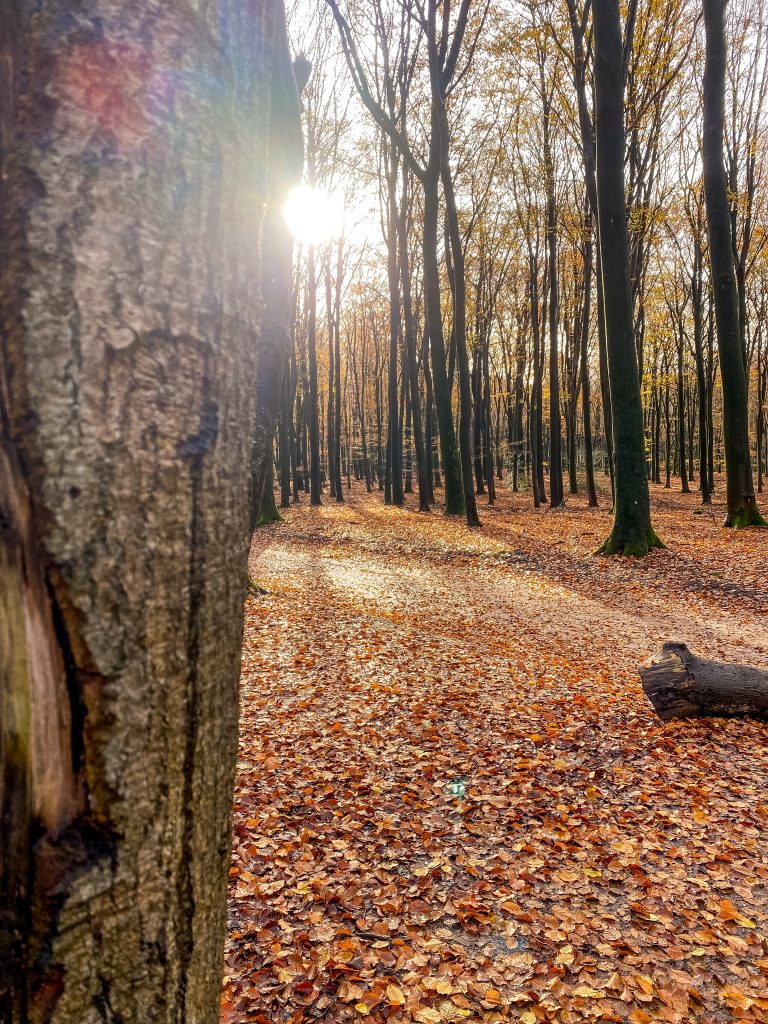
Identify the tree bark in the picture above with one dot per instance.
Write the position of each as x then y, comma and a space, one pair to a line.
312, 397
459, 323
585, 383
631, 533
339, 490
394, 490
556, 493
740, 496
701, 382
330, 419
133, 151
284, 165
682, 449
681, 685
454, 492
410, 344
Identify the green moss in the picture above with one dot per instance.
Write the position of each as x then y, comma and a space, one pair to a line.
654, 540
255, 588
614, 545
743, 518
268, 515
455, 508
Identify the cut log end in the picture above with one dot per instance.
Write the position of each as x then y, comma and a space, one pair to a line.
679, 684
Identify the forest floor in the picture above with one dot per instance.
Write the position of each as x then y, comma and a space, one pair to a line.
454, 801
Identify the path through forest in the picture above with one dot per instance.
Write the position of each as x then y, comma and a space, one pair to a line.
454, 801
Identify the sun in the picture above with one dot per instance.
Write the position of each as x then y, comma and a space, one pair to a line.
314, 215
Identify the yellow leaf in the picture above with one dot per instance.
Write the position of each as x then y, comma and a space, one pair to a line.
426, 1016
362, 1009
565, 956
567, 876
735, 998
645, 983
529, 1017
588, 993
730, 912
395, 996
438, 985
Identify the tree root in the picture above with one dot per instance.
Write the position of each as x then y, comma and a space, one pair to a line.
630, 547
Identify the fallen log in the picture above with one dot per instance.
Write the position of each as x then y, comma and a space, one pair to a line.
681, 685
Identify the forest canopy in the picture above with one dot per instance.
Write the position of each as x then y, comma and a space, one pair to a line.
455, 309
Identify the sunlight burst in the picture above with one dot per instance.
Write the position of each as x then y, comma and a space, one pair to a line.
314, 215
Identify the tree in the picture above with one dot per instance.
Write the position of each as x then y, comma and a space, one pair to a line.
740, 496
129, 294
632, 532
284, 166
546, 89
444, 46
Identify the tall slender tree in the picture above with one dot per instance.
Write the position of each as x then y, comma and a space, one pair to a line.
631, 532
742, 507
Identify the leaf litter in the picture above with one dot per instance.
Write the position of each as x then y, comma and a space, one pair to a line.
453, 802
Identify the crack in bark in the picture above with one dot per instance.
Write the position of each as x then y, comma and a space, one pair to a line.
194, 448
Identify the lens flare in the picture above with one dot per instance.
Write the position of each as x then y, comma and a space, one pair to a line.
314, 215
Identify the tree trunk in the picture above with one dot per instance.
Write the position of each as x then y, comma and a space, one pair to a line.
585, 384
459, 327
339, 491
667, 433
286, 441
130, 302
394, 479
378, 406
701, 382
330, 419
312, 412
740, 496
631, 533
429, 429
487, 415
586, 131
477, 433
536, 427
681, 685
682, 449
556, 494
284, 166
410, 345
268, 510
454, 494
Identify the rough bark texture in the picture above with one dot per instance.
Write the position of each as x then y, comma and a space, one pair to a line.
132, 139
681, 685
742, 507
631, 533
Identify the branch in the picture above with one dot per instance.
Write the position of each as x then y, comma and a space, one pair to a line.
360, 81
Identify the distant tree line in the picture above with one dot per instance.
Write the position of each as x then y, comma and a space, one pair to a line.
470, 341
